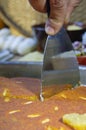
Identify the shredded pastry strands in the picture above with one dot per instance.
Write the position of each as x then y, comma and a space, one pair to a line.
8, 96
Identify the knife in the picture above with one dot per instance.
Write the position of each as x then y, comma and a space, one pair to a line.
60, 68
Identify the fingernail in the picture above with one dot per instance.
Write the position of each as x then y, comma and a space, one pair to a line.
49, 30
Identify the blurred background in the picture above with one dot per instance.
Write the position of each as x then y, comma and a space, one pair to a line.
22, 35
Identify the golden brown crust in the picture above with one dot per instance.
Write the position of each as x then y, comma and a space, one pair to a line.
21, 109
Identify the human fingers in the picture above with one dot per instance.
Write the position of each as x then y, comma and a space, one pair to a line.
57, 16
71, 5
39, 5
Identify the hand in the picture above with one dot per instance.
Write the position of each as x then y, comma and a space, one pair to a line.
60, 12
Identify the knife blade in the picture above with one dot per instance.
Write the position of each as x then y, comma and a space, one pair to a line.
60, 68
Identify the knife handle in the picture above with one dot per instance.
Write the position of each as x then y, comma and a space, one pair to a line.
48, 7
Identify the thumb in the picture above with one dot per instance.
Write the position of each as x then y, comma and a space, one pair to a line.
57, 16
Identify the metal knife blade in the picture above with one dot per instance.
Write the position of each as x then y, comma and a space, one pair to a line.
60, 67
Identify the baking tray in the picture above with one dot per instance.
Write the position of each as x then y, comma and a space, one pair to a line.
82, 74
20, 69
29, 69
